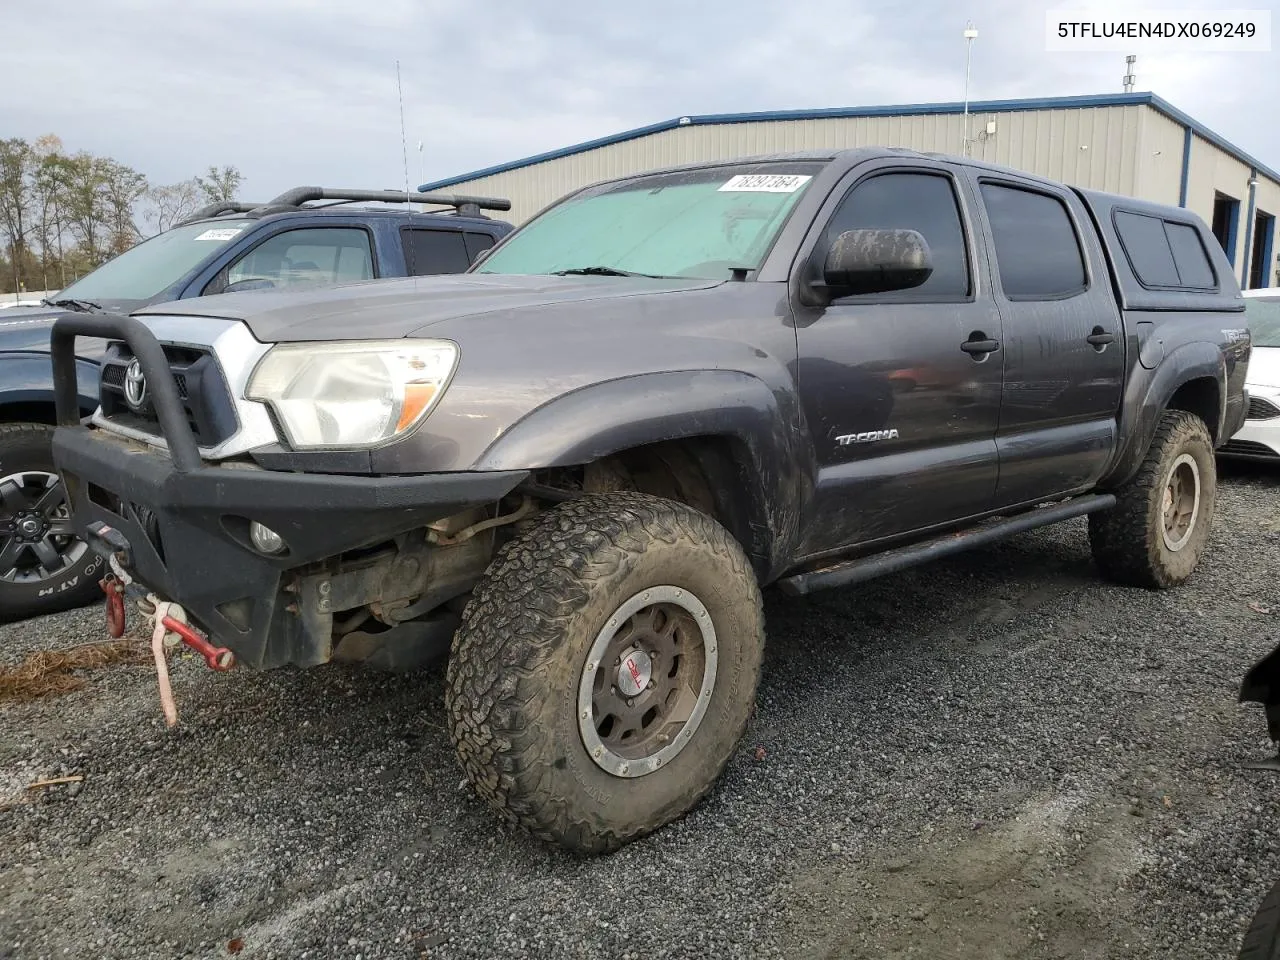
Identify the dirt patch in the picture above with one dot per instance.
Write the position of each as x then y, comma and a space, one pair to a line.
1045, 883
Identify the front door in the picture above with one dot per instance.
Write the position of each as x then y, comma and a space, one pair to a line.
901, 391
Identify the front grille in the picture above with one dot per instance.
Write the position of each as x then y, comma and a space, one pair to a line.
1249, 448
202, 390
1260, 409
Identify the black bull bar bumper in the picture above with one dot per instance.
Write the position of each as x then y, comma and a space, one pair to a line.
181, 526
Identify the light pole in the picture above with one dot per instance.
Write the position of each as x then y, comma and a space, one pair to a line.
970, 34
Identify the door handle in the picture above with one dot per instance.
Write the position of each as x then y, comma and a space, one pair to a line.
976, 344
1100, 337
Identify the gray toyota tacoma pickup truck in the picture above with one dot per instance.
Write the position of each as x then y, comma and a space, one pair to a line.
573, 468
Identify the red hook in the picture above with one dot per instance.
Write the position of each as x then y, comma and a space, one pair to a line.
217, 658
114, 590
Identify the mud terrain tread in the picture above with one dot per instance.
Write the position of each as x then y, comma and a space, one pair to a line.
1123, 543
515, 624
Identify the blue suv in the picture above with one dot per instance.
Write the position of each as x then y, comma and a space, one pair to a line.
305, 236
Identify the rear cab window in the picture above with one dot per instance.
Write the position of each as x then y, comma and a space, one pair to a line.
1164, 254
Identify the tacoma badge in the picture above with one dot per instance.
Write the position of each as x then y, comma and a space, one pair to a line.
869, 437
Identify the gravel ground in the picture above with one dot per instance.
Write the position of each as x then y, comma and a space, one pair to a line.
995, 756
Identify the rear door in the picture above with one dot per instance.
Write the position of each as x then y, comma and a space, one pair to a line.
1063, 352
901, 391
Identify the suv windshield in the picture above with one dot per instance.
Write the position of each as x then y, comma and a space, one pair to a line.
1263, 317
692, 223
145, 270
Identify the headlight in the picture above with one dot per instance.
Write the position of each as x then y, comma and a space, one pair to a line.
352, 393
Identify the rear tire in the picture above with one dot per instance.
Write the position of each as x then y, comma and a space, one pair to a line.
1156, 533
27, 475
538, 696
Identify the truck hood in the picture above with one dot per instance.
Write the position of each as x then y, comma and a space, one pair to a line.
26, 330
1264, 368
389, 309
18, 315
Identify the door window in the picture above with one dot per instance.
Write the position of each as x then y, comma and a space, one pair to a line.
429, 252
924, 202
1037, 250
307, 256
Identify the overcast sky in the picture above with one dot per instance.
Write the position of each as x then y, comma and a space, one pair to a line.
304, 91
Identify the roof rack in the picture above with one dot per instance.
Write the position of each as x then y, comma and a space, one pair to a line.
219, 208
464, 206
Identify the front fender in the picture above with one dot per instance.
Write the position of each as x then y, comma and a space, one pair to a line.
1147, 396
26, 380
605, 418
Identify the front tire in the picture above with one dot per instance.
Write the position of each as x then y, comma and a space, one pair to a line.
1156, 533
44, 568
605, 669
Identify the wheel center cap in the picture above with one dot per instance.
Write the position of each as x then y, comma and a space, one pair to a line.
30, 526
634, 673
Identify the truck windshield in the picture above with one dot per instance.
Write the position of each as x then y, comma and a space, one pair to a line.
1263, 317
145, 270
702, 223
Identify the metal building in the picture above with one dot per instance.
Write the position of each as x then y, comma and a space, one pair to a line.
1131, 143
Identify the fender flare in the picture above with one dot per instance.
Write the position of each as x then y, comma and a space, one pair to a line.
1147, 397
26, 379
773, 477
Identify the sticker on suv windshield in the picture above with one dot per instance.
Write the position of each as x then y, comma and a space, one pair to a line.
226, 233
767, 183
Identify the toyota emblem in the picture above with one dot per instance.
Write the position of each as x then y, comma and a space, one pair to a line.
135, 384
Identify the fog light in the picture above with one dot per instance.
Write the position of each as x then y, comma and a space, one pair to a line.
264, 538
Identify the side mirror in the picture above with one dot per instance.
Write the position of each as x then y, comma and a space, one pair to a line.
874, 261
481, 256
253, 283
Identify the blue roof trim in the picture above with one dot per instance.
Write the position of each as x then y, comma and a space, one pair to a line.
1249, 217
1222, 143
899, 110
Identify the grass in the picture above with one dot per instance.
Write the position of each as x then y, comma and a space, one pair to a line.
56, 672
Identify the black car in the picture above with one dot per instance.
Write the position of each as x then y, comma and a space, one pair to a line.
287, 243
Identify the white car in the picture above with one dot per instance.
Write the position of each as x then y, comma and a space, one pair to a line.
1259, 438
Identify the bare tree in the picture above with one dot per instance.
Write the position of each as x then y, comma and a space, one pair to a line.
220, 184
15, 201
63, 214
85, 211
173, 203
46, 180
122, 188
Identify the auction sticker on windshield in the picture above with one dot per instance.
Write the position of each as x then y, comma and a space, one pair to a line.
767, 183
225, 233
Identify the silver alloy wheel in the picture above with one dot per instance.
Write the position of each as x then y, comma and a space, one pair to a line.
647, 681
37, 542
1181, 506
